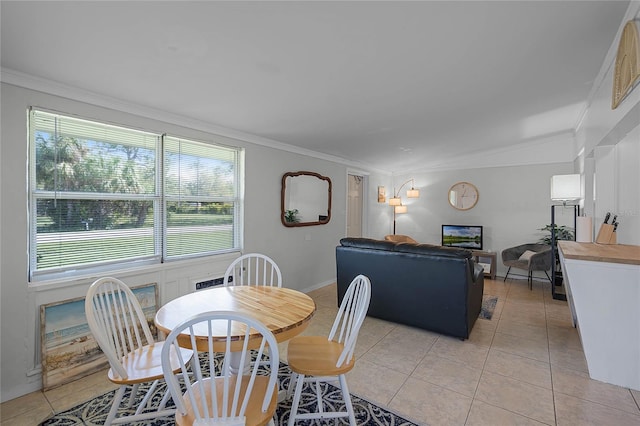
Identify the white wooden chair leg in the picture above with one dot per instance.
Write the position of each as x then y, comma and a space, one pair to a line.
146, 400
165, 399
293, 380
347, 400
296, 399
117, 400
132, 396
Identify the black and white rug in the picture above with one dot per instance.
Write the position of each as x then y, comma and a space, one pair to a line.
94, 412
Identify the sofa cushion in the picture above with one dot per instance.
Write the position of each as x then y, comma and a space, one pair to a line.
367, 243
413, 248
432, 250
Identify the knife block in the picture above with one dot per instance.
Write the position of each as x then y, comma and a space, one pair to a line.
606, 235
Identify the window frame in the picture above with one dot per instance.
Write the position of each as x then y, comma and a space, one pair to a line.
159, 199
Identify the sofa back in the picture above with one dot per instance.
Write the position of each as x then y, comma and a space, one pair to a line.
421, 285
405, 247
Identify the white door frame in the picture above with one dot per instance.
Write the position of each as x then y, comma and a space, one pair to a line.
365, 200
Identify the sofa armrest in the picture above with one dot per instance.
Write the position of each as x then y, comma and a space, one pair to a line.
478, 271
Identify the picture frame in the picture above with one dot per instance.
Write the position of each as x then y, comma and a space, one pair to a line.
382, 197
68, 349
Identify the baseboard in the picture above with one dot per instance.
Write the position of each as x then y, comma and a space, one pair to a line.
317, 286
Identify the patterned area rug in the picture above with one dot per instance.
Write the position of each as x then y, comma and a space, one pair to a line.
488, 306
94, 412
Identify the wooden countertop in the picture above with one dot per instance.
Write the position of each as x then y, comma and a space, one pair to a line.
612, 253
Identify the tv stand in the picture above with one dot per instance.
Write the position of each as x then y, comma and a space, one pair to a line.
488, 260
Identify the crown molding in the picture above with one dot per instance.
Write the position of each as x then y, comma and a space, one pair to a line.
28, 81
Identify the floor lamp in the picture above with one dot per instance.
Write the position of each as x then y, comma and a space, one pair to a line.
396, 201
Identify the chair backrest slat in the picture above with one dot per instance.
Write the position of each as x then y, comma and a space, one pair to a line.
351, 314
120, 313
253, 269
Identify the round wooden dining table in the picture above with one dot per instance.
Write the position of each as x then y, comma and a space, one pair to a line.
285, 312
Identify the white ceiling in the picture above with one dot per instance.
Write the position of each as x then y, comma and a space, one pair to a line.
392, 85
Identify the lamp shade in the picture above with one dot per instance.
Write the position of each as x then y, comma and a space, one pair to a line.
400, 209
565, 187
395, 201
413, 193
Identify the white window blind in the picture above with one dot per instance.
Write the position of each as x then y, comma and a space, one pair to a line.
97, 199
201, 197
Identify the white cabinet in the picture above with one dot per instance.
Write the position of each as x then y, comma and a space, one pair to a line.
603, 292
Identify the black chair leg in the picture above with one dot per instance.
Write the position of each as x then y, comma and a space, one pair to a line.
505, 275
548, 277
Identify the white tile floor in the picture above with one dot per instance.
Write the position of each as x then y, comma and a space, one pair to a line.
525, 366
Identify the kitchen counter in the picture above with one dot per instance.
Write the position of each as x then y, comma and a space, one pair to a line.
603, 292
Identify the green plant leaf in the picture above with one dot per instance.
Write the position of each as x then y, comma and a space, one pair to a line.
561, 233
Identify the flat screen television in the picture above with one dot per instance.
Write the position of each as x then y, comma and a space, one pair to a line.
462, 236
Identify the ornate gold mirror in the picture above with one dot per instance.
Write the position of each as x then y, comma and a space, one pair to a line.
305, 199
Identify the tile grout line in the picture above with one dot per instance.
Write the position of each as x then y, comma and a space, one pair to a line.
637, 400
484, 364
553, 391
483, 369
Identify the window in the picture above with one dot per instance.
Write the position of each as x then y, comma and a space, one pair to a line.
103, 195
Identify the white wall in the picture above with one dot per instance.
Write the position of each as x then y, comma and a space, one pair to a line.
513, 205
609, 140
628, 195
305, 255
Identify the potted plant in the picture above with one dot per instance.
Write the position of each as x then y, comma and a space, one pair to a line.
291, 216
561, 233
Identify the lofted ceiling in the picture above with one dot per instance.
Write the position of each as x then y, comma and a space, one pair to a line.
390, 85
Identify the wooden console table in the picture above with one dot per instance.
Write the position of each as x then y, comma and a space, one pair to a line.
603, 292
486, 257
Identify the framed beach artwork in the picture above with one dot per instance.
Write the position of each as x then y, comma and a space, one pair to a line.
382, 197
68, 348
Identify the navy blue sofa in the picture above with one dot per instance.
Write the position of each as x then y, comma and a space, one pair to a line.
431, 287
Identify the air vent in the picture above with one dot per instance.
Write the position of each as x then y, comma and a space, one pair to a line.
212, 283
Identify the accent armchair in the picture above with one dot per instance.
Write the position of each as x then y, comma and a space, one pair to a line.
530, 257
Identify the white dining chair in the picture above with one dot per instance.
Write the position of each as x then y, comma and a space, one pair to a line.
214, 394
120, 328
318, 359
253, 269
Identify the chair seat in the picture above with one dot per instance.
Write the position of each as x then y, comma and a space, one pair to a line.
520, 264
145, 365
316, 356
253, 415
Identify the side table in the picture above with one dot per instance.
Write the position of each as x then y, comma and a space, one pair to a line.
488, 260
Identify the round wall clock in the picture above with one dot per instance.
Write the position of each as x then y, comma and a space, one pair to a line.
463, 196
